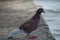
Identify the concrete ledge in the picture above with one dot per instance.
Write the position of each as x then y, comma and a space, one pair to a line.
13, 14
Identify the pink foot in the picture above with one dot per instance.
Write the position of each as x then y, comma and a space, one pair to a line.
33, 37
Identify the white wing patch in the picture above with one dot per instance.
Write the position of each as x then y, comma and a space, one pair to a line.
14, 32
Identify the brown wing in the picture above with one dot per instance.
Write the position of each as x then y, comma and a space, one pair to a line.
29, 26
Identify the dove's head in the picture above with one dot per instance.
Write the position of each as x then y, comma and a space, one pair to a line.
40, 10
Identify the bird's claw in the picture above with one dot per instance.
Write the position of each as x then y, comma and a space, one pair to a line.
33, 37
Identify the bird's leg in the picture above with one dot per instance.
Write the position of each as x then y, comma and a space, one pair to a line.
27, 36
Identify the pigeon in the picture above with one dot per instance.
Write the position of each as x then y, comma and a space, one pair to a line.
29, 26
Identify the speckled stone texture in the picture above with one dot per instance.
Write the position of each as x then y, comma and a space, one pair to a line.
14, 13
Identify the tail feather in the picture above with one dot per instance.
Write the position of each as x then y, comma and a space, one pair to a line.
14, 32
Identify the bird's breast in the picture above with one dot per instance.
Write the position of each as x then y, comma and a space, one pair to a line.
36, 20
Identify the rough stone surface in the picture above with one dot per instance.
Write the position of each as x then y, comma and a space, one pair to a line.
14, 13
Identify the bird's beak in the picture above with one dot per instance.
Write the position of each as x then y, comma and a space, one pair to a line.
43, 11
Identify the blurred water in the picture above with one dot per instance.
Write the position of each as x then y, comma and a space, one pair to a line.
52, 16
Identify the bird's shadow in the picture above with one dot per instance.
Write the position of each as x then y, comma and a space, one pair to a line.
16, 39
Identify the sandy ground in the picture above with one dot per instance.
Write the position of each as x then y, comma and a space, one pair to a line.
14, 13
